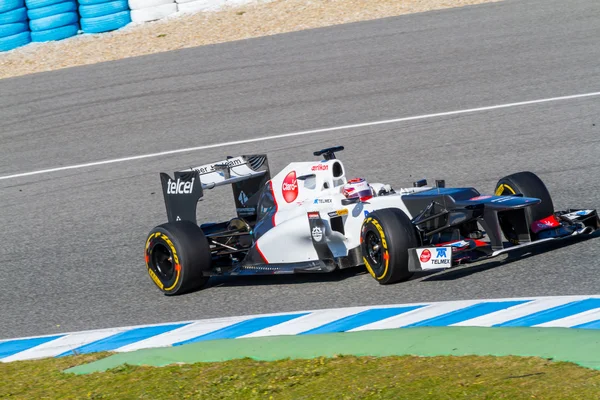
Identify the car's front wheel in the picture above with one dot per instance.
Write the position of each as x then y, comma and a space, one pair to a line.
527, 184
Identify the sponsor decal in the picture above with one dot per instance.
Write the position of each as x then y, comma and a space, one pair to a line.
179, 187
441, 257
480, 198
577, 214
366, 213
289, 187
338, 213
317, 234
462, 243
425, 256
243, 198
233, 162
313, 215
246, 211
322, 201
320, 167
502, 199
543, 224
435, 258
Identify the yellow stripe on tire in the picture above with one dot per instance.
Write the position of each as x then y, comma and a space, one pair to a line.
504, 187
369, 268
176, 264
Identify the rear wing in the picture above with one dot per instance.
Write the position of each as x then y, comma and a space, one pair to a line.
247, 175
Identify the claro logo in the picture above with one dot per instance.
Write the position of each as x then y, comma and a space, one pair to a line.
289, 188
179, 187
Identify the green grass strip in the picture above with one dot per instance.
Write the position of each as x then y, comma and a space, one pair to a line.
579, 346
347, 377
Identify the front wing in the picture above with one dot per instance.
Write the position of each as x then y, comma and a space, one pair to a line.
447, 255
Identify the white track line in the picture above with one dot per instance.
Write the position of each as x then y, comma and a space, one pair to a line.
301, 133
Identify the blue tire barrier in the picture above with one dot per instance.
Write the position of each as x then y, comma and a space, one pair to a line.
139, 4
53, 21
90, 2
9, 5
102, 9
16, 15
13, 29
105, 23
12, 42
32, 4
55, 34
60, 8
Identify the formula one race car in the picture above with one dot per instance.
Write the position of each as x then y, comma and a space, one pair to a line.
311, 218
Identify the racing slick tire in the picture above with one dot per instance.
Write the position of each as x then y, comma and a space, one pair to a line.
386, 236
176, 255
529, 185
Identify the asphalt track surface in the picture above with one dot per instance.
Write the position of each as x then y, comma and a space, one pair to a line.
72, 241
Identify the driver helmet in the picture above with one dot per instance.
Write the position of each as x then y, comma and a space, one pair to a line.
357, 188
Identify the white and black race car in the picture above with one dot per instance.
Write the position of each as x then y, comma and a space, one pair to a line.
311, 218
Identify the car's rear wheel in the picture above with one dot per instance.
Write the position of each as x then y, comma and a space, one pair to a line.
176, 256
386, 236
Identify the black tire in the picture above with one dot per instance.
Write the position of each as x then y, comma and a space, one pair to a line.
176, 255
392, 231
529, 185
